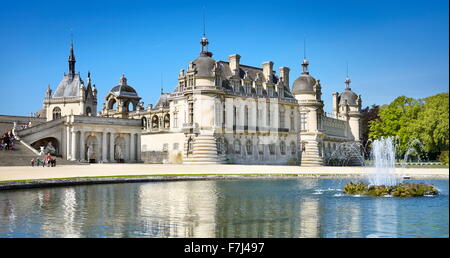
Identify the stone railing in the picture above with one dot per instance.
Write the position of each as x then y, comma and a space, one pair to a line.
40, 127
333, 126
106, 120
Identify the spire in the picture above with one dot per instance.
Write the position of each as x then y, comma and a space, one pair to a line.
71, 60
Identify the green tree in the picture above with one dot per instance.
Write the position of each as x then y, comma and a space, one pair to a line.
407, 119
396, 119
431, 126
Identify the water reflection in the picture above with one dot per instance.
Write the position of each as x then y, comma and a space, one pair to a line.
239, 208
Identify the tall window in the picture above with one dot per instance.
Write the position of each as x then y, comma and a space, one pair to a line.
268, 115
303, 121
175, 119
191, 81
56, 113
246, 118
281, 117
234, 116
223, 114
191, 113
258, 89
292, 121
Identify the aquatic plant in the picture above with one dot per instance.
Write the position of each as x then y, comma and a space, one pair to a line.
400, 190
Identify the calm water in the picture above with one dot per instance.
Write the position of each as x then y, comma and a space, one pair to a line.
237, 208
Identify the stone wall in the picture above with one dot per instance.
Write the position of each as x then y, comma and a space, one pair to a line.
154, 157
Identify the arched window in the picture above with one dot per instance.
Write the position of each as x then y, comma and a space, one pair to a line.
56, 113
167, 121
88, 111
155, 122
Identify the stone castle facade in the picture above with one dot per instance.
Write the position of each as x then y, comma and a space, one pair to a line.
220, 112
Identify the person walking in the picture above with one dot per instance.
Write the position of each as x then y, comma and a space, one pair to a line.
32, 162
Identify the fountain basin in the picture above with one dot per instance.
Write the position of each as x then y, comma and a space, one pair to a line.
400, 190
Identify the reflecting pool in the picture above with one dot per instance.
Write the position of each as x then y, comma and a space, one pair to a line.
220, 208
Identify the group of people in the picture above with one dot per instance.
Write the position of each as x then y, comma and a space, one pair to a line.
48, 161
7, 141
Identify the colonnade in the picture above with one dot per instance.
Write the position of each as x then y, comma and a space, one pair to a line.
105, 149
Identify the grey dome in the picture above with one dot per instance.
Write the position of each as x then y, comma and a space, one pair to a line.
204, 65
349, 96
123, 89
69, 86
303, 84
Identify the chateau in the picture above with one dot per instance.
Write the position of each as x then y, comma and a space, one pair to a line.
220, 112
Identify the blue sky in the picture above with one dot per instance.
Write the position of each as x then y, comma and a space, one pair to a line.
393, 48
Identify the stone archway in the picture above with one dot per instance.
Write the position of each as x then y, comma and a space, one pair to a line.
92, 149
120, 154
50, 145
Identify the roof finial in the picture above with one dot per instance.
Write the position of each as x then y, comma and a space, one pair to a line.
347, 79
162, 89
204, 41
304, 47
305, 62
204, 23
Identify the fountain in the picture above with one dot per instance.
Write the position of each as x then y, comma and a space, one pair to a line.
383, 156
345, 154
383, 180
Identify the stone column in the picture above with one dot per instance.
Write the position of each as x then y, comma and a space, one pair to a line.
138, 148
111, 147
74, 144
132, 148
104, 147
68, 154
82, 148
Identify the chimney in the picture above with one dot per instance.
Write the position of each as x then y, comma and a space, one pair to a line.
267, 69
234, 63
284, 73
335, 103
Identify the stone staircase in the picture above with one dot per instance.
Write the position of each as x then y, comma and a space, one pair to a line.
204, 151
310, 157
21, 156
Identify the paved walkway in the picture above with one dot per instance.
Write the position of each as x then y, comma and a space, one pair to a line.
15, 173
